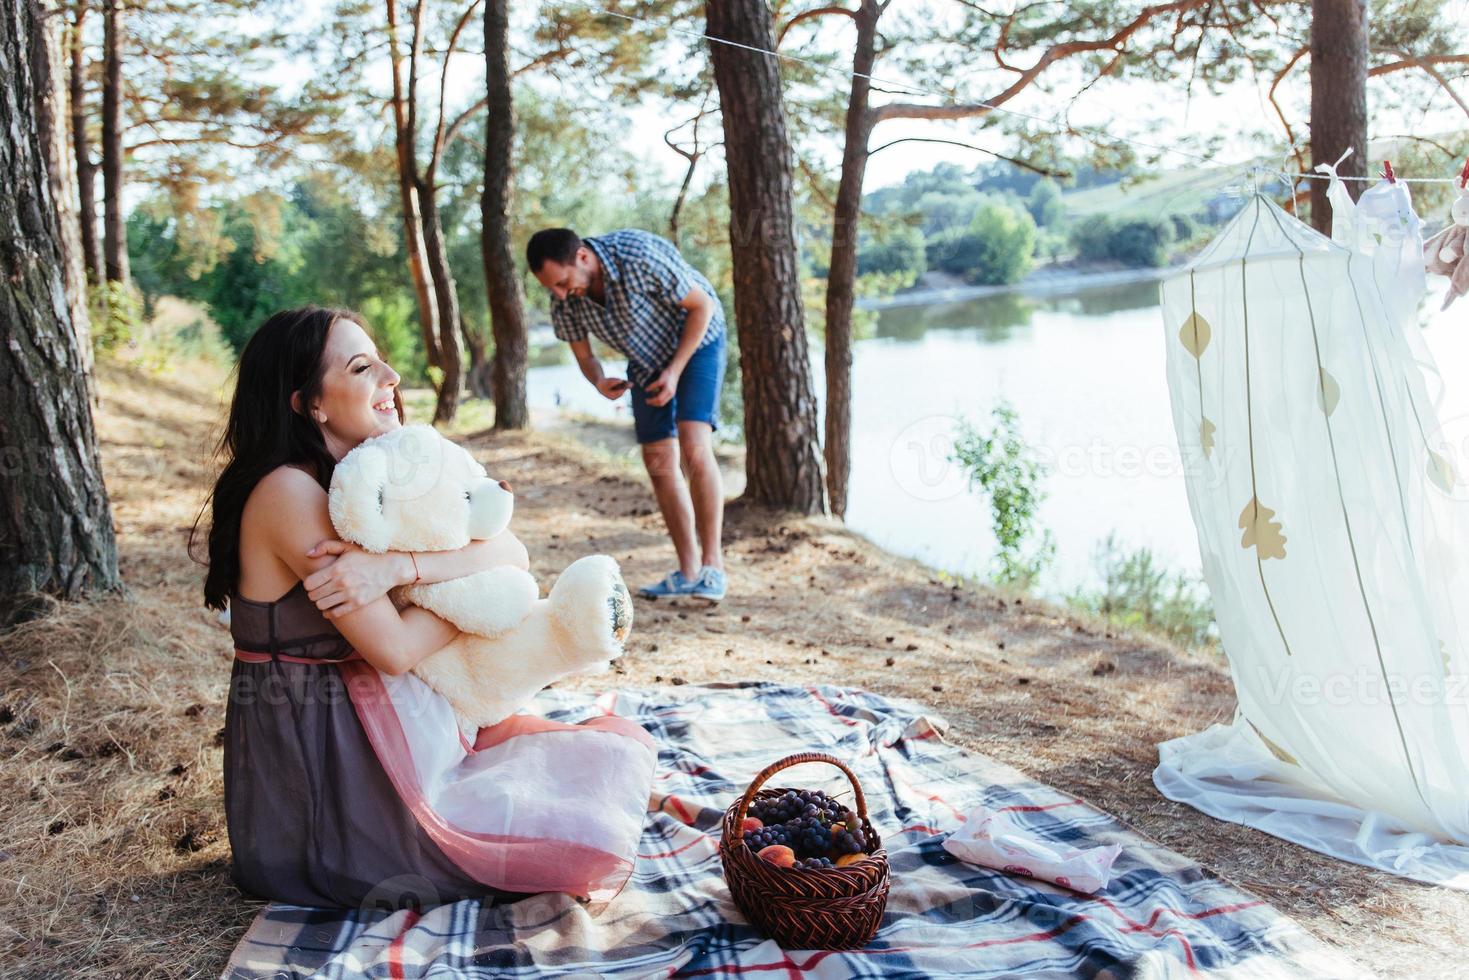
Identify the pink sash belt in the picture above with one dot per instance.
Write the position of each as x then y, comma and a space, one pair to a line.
254, 657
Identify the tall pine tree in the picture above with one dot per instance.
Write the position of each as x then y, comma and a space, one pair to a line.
55, 521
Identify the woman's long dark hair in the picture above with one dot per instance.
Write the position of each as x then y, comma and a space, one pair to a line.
263, 431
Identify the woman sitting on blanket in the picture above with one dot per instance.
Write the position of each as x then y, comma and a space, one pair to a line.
347, 785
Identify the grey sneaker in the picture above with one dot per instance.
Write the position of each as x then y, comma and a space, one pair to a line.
673, 584
709, 585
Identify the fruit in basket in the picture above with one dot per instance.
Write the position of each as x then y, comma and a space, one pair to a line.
805, 829
782, 808
766, 836
845, 841
812, 838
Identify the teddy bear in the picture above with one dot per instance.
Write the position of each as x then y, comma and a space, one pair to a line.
412, 489
1447, 253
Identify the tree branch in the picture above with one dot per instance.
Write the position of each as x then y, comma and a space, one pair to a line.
1052, 54
541, 60
439, 137
814, 182
1427, 63
1301, 52
453, 131
1022, 164
216, 140
810, 15
1414, 61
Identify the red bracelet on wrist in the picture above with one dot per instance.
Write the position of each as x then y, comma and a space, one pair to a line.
416, 576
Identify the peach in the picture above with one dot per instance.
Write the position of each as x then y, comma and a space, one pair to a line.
779, 855
847, 859
749, 824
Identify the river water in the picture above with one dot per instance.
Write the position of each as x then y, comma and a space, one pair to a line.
1084, 372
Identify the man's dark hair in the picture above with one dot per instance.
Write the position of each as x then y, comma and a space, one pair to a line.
551, 245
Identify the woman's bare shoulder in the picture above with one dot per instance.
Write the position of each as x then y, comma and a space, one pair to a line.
284, 516
285, 486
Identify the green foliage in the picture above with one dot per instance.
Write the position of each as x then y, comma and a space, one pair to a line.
203, 96
1183, 227
1000, 464
1134, 242
1044, 203
899, 250
995, 249
1138, 593
177, 332
248, 257
117, 316
393, 320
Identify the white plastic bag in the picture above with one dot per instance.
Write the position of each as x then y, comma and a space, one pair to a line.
992, 839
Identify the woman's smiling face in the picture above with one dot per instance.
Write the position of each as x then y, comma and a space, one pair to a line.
358, 390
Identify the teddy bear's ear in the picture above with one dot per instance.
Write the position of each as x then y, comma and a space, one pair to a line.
356, 498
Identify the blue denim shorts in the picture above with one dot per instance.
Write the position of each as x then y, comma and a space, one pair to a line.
696, 400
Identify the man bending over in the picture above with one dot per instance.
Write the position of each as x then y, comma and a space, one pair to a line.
635, 293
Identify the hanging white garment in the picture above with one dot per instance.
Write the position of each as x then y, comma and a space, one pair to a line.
1335, 538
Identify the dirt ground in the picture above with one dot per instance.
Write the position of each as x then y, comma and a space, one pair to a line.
113, 857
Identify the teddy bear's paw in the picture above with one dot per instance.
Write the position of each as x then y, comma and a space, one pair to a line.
594, 609
619, 603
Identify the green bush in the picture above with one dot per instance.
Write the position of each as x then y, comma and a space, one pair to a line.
1137, 592
1135, 242
899, 250
1002, 466
116, 313
1044, 203
1184, 227
995, 249
955, 251
393, 321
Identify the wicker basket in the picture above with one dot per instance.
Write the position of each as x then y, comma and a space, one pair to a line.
830, 908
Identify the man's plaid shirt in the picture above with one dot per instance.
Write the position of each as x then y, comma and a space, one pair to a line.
643, 280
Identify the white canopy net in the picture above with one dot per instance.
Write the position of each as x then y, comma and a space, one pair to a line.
1333, 522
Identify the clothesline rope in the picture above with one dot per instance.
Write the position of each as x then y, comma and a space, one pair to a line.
916, 90
1368, 179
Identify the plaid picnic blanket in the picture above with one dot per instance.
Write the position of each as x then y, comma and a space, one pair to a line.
1160, 916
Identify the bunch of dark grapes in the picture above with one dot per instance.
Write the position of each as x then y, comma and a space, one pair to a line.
812, 838
777, 809
847, 841
767, 835
808, 822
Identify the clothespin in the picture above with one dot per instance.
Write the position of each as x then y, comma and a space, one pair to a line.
1387, 173
1464, 175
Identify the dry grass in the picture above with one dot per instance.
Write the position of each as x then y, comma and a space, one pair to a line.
115, 858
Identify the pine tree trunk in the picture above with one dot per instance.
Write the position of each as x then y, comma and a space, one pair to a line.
55, 521
1338, 97
783, 466
842, 278
404, 133
507, 306
51, 118
86, 170
423, 290
477, 379
114, 228
446, 294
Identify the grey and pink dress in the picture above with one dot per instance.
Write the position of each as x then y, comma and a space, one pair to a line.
347, 787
